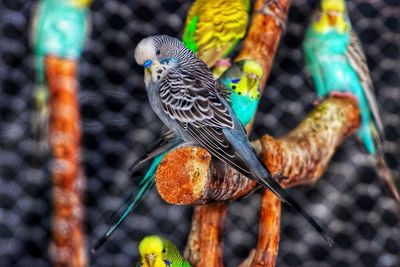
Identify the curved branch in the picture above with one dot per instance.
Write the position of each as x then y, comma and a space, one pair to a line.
189, 176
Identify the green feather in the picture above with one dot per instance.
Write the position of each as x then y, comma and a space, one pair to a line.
188, 36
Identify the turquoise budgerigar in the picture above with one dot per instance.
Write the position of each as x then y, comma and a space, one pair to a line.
157, 251
59, 28
337, 64
241, 87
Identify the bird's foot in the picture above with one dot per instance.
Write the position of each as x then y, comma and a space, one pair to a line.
225, 62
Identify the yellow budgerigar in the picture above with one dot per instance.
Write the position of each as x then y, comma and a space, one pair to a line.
156, 251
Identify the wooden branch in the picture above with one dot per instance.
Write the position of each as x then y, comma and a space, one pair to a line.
268, 234
205, 239
188, 175
68, 244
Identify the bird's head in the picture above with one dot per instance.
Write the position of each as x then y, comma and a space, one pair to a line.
333, 16
81, 3
159, 54
249, 83
152, 252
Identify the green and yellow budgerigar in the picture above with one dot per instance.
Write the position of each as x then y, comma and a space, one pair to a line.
156, 251
213, 27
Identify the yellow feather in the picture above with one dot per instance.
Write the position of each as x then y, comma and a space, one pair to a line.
151, 251
221, 24
81, 3
340, 25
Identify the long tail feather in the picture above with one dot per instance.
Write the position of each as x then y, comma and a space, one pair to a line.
149, 176
387, 177
276, 188
147, 186
383, 169
285, 197
127, 200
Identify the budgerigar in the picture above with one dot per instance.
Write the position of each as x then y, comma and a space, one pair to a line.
213, 27
59, 29
185, 96
337, 64
241, 84
157, 251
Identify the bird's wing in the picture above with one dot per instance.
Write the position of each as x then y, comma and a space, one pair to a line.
188, 98
193, 102
219, 25
357, 59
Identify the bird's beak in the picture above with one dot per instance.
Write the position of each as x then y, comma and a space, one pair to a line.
150, 259
332, 17
251, 81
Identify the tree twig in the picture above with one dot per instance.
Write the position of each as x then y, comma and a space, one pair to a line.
68, 244
268, 234
205, 239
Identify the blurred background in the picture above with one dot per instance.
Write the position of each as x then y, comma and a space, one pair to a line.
118, 126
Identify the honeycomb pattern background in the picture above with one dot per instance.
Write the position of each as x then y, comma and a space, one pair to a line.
118, 126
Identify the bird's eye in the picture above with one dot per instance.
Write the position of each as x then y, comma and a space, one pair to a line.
233, 87
163, 251
158, 52
164, 61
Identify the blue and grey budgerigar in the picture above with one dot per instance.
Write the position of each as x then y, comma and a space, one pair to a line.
185, 96
241, 83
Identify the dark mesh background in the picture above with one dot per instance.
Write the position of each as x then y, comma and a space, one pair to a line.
118, 126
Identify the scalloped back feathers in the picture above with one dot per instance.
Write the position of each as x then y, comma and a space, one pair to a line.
213, 27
